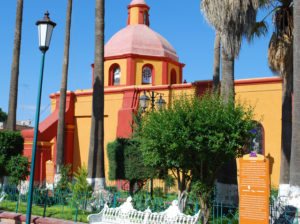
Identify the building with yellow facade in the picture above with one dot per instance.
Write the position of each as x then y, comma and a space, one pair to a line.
138, 59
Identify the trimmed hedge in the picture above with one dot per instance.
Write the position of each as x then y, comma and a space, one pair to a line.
126, 162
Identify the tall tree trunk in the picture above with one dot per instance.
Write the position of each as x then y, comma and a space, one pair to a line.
96, 172
13, 91
295, 152
286, 133
62, 98
216, 69
227, 176
227, 86
182, 190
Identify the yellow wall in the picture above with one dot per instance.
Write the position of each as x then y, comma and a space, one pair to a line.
157, 65
134, 15
176, 68
83, 105
267, 101
265, 97
123, 66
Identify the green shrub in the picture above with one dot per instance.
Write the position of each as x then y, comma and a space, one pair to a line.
63, 183
17, 169
126, 162
11, 144
81, 188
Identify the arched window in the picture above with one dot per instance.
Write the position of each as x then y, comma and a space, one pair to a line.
147, 75
117, 76
173, 77
114, 75
257, 143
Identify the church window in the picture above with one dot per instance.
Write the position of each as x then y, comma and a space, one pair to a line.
117, 76
257, 143
147, 75
114, 75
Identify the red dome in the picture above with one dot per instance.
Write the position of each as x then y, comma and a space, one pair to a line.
141, 40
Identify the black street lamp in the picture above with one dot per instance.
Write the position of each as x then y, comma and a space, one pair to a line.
145, 100
45, 27
160, 105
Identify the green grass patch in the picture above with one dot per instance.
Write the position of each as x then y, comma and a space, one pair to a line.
59, 212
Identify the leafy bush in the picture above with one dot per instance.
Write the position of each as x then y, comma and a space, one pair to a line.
11, 144
17, 169
194, 138
126, 162
81, 188
63, 183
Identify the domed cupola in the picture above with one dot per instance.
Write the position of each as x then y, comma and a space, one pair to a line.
137, 37
137, 55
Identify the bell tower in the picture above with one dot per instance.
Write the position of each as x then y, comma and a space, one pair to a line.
138, 13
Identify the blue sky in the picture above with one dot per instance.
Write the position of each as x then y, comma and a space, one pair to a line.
180, 22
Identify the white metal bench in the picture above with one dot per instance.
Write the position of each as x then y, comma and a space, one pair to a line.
126, 214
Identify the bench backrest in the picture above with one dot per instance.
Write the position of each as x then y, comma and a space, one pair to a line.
127, 214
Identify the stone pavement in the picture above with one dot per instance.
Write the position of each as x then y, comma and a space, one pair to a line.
17, 218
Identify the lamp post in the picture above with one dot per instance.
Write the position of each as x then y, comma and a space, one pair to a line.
160, 105
45, 28
145, 100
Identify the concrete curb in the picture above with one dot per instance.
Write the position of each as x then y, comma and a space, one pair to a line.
17, 218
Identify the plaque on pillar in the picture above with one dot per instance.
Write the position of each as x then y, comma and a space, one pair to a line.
254, 189
49, 172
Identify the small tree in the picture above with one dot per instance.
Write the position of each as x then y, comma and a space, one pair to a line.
193, 138
63, 183
81, 188
17, 169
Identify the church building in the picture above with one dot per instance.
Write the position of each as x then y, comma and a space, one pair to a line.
138, 60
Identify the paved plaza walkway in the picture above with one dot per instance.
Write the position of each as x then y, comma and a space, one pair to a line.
17, 218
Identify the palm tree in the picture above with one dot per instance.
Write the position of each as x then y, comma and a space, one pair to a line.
295, 154
96, 172
13, 91
62, 98
280, 57
216, 69
232, 19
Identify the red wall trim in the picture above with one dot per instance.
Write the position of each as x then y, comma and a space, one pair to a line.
128, 18
176, 86
258, 81
141, 16
180, 74
130, 79
158, 58
140, 88
173, 77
